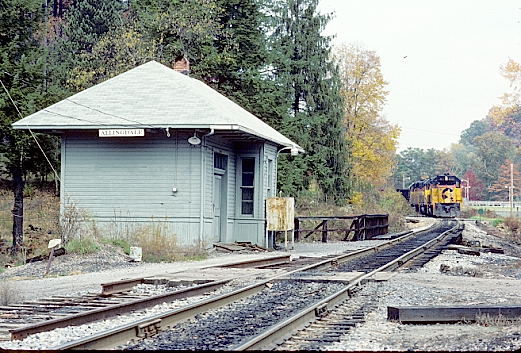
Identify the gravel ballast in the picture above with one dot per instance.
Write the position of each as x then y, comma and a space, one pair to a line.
488, 279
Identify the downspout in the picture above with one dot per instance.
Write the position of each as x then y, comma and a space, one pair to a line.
201, 216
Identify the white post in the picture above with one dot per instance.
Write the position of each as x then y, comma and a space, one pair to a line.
511, 191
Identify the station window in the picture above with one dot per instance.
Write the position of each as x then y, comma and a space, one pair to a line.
270, 178
247, 185
220, 161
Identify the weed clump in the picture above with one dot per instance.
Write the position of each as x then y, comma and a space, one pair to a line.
82, 246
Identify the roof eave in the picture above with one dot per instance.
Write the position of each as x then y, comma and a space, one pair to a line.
223, 127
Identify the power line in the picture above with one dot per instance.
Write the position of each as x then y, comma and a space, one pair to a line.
109, 114
429, 131
32, 133
134, 122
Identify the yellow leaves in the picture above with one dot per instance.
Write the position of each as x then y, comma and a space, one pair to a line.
510, 101
372, 138
357, 199
497, 114
79, 79
511, 71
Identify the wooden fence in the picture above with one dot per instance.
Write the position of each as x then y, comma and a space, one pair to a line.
362, 226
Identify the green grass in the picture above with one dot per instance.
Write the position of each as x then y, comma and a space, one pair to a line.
195, 257
493, 221
85, 245
119, 242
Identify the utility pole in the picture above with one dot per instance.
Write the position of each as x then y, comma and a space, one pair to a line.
403, 180
466, 189
511, 190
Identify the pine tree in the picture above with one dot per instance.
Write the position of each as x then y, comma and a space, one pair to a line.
85, 23
21, 76
310, 80
241, 58
88, 20
180, 28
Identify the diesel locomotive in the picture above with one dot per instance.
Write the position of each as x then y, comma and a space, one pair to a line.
439, 196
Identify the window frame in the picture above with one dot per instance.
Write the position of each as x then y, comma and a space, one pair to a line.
241, 187
270, 189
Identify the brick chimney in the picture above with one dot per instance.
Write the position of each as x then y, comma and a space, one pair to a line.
182, 65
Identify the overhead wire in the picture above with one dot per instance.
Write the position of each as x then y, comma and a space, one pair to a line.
32, 133
134, 124
109, 114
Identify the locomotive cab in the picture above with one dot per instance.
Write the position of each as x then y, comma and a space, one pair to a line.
439, 196
446, 196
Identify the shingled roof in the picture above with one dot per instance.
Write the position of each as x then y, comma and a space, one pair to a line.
150, 96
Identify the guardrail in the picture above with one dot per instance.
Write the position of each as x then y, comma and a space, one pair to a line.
505, 204
362, 227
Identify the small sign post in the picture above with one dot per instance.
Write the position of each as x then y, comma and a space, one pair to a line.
280, 216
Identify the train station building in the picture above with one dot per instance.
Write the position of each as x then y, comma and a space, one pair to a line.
155, 145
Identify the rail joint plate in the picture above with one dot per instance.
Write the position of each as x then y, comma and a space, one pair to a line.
148, 329
321, 310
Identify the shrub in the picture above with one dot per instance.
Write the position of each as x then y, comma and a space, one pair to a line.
513, 224
84, 245
72, 221
29, 190
496, 222
386, 201
468, 212
159, 244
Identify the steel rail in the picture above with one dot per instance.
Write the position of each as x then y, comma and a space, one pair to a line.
302, 318
111, 288
151, 325
113, 310
276, 260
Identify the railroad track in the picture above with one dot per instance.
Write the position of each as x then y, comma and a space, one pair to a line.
253, 317
17, 321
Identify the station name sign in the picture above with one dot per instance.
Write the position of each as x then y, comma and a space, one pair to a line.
121, 132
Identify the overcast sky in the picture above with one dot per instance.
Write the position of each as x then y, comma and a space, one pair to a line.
441, 59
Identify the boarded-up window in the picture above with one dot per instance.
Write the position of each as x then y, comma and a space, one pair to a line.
247, 182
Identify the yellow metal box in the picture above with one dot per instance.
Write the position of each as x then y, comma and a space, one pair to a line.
280, 213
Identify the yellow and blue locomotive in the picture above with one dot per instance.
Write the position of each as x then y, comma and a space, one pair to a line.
439, 196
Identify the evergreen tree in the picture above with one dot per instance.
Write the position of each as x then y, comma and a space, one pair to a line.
180, 28
85, 23
305, 72
88, 20
242, 57
21, 76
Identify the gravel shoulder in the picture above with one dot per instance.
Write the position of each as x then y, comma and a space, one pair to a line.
488, 279
76, 275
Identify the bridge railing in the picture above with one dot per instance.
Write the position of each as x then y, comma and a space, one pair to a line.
361, 227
